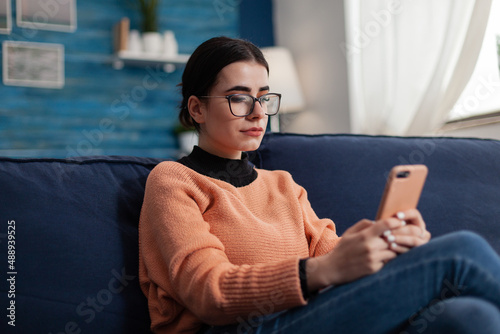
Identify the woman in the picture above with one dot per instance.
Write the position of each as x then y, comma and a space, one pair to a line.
228, 248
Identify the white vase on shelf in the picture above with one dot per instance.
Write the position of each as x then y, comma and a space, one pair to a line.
170, 46
152, 43
134, 42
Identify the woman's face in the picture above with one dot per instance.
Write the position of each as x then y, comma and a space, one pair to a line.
222, 133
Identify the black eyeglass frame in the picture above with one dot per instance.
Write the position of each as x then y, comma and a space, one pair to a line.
259, 99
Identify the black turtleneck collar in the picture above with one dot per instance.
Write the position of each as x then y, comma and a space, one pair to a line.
238, 172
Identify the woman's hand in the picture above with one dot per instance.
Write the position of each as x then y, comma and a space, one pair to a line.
365, 248
413, 233
362, 251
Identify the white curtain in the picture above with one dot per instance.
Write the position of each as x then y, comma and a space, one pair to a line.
409, 61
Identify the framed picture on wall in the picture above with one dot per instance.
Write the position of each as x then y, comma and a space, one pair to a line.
5, 17
46, 15
33, 64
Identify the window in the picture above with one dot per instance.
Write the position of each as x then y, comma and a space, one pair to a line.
482, 93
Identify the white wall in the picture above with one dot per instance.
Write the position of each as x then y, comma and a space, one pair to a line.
313, 31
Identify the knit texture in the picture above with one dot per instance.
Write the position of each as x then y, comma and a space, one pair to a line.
213, 253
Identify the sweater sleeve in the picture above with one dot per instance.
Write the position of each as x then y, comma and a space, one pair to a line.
183, 265
321, 233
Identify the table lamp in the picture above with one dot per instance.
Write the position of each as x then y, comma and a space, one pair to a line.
283, 79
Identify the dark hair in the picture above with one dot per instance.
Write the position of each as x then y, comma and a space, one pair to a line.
205, 64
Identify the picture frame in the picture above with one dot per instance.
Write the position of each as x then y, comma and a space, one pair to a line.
5, 17
33, 64
42, 15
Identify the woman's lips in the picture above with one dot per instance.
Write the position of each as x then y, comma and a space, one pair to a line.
253, 132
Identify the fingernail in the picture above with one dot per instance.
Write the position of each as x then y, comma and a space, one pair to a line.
387, 233
403, 223
391, 238
394, 245
401, 215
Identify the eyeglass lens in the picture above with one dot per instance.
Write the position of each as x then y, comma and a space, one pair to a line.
241, 105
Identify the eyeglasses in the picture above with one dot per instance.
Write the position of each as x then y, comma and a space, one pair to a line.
242, 105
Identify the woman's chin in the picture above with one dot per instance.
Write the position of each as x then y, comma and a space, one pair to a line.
252, 145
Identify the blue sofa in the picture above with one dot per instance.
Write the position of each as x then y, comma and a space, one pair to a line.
70, 225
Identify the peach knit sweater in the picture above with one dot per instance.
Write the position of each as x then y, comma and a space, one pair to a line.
213, 253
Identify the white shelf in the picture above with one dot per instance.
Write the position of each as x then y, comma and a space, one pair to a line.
128, 58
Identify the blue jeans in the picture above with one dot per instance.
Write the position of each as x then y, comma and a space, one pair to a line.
449, 285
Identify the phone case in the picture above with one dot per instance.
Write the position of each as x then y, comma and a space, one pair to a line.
403, 189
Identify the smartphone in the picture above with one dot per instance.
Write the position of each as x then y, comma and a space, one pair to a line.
403, 189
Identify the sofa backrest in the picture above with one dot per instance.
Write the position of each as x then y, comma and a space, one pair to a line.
345, 176
76, 244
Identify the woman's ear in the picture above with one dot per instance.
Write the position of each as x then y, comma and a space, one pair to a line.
196, 109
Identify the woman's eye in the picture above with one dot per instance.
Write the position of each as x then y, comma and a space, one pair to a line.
238, 99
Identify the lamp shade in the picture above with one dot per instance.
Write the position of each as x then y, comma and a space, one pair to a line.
283, 78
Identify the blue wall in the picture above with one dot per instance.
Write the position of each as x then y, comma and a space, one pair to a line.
101, 110
256, 21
